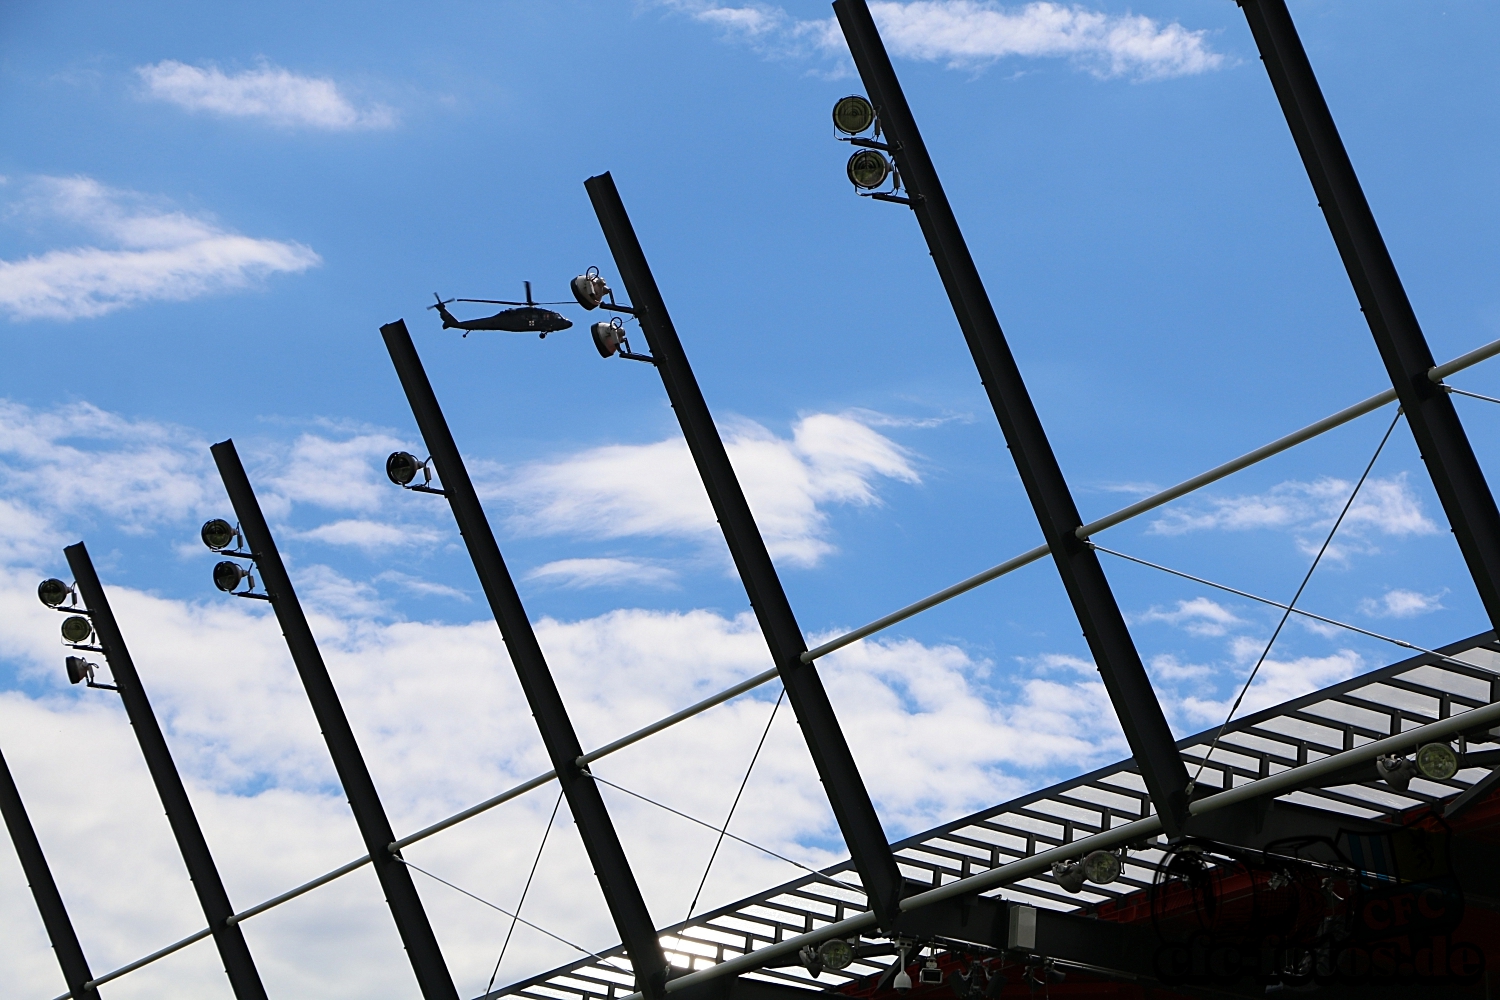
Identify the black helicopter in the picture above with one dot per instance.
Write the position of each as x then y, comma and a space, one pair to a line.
529, 317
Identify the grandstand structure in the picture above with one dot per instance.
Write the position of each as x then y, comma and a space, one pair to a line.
1342, 843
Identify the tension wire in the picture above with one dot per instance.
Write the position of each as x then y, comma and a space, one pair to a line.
525, 889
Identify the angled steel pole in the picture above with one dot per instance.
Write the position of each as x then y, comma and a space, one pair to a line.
1455, 472
1104, 628
238, 964
406, 906
846, 791
75, 968
621, 892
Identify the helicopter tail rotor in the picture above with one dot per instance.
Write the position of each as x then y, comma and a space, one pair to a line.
439, 305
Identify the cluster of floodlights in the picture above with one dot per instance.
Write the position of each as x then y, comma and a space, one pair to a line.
609, 337
1099, 867
225, 539
77, 631
1435, 761
869, 166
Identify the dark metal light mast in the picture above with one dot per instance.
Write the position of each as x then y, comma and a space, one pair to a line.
1455, 472
1104, 627
406, 906
621, 892
830, 752
238, 964
75, 968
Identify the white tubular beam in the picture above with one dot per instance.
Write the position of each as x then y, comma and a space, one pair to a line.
1140, 507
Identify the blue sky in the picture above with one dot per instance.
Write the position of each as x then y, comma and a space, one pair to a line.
208, 211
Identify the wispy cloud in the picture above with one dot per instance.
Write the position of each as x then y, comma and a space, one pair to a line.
654, 490
157, 254
1385, 506
1199, 616
969, 34
1401, 604
601, 572
270, 93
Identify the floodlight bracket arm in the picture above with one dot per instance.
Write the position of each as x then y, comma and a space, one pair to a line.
614, 307
235, 554
638, 357
87, 649
895, 199
426, 489
73, 610
251, 595
889, 147
101, 687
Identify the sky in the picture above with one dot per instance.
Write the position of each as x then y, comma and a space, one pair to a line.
208, 210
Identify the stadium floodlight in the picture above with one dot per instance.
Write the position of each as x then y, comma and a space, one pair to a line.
228, 574
1101, 867
219, 534
608, 337
52, 592
1437, 761
853, 114
77, 629
589, 289
79, 670
1070, 875
1394, 770
835, 953
868, 169
402, 467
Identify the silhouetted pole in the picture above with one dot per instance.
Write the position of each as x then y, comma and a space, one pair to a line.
75, 968
238, 964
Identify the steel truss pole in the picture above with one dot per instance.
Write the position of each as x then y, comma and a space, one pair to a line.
238, 965
406, 906
621, 892
75, 968
1455, 472
856, 816
1104, 627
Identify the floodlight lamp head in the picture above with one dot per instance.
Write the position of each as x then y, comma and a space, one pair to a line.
77, 629
608, 337
402, 467
589, 289
1394, 771
228, 574
853, 114
835, 953
1437, 761
1070, 875
79, 670
1101, 867
218, 534
52, 592
868, 169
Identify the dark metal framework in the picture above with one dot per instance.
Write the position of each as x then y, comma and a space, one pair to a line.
238, 964
621, 892
1104, 627
75, 968
1434, 422
830, 752
1395, 698
406, 906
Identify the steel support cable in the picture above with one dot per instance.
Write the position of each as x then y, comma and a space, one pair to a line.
1471, 395
1287, 611
1344, 416
724, 830
514, 916
1291, 779
1281, 444
748, 843
1296, 611
524, 890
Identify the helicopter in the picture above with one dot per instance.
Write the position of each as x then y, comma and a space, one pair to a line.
527, 318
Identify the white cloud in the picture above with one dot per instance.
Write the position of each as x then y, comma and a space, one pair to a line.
654, 489
966, 33
1277, 681
271, 93
1199, 616
1401, 604
161, 255
601, 572
1385, 506
370, 535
